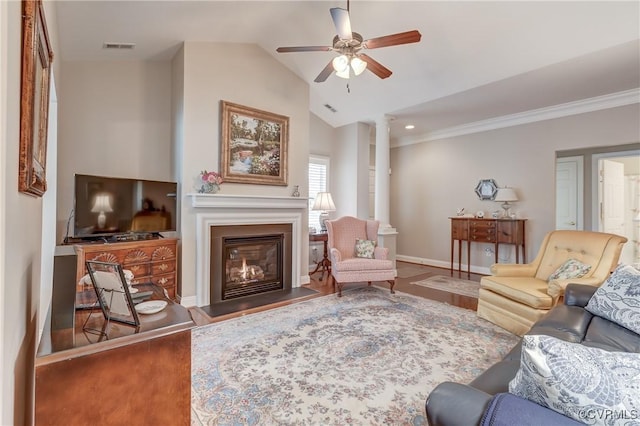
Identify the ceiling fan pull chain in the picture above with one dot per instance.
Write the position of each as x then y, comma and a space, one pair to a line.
348, 88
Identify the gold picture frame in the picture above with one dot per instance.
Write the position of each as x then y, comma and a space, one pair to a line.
254, 145
37, 57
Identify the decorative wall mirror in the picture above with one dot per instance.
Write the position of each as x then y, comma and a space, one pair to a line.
486, 189
34, 99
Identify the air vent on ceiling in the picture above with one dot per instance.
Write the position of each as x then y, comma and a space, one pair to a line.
110, 45
330, 108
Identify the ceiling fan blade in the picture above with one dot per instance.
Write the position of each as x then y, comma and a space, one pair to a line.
342, 22
304, 49
325, 73
393, 40
375, 67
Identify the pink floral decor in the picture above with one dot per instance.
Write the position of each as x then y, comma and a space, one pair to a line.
209, 182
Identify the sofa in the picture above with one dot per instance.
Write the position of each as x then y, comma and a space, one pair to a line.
470, 404
515, 296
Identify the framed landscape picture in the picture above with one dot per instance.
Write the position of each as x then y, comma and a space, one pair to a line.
34, 99
254, 145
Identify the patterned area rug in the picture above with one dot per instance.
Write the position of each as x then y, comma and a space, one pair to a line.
452, 285
368, 358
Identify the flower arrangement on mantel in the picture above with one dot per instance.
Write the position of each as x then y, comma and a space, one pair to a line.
209, 182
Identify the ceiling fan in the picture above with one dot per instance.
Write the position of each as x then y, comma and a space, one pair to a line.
349, 45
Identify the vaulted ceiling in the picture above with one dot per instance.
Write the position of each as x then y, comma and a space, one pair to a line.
476, 61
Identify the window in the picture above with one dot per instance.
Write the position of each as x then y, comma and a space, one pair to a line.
318, 182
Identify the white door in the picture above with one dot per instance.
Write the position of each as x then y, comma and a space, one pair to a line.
612, 197
568, 174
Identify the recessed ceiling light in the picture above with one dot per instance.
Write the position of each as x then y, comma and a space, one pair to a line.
409, 126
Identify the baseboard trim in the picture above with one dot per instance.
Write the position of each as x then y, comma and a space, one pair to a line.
442, 264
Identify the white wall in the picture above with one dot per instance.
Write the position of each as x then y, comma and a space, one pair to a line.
21, 233
257, 80
114, 120
431, 179
321, 137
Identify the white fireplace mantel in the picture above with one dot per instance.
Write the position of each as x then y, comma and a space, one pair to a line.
246, 201
218, 209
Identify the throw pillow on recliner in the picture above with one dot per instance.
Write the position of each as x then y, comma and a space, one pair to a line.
587, 384
572, 268
618, 298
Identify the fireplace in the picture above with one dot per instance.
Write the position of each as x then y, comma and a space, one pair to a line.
247, 260
218, 210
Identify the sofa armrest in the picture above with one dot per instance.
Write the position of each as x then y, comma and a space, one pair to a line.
513, 270
556, 288
455, 404
578, 294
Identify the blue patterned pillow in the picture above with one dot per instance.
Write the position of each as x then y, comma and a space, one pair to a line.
618, 298
588, 384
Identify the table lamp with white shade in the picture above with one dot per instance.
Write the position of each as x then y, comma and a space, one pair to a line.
324, 203
506, 195
102, 205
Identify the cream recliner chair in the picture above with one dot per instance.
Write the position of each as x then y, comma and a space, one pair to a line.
517, 295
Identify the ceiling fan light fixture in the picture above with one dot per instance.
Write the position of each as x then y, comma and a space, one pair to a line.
358, 65
344, 73
341, 64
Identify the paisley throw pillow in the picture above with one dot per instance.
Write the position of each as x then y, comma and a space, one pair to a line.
618, 298
585, 383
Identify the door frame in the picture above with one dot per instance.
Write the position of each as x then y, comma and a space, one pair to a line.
595, 181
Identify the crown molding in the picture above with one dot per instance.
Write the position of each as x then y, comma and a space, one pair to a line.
613, 100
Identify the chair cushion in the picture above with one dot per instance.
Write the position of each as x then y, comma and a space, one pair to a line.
578, 381
360, 264
365, 248
572, 268
618, 299
526, 290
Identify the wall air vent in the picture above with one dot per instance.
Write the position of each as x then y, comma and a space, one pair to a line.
330, 108
110, 45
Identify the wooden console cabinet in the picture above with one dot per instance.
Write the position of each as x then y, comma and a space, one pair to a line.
151, 261
138, 376
493, 231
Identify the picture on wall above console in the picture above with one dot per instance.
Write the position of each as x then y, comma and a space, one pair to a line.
486, 189
34, 99
254, 145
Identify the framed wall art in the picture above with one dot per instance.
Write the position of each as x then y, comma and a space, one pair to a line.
34, 99
254, 145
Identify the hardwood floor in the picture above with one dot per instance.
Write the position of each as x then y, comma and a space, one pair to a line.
407, 273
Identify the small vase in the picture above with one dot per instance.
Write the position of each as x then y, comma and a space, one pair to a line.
296, 192
209, 188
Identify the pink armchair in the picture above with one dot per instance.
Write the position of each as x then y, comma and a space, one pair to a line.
346, 267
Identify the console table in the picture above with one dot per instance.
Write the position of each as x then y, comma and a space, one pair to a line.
493, 231
153, 260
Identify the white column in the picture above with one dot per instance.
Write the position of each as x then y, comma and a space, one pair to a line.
382, 171
386, 234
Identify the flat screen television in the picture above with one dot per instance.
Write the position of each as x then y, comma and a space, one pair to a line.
109, 206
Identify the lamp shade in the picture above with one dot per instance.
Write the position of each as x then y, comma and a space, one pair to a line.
324, 202
358, 65
102, 204
506, 194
